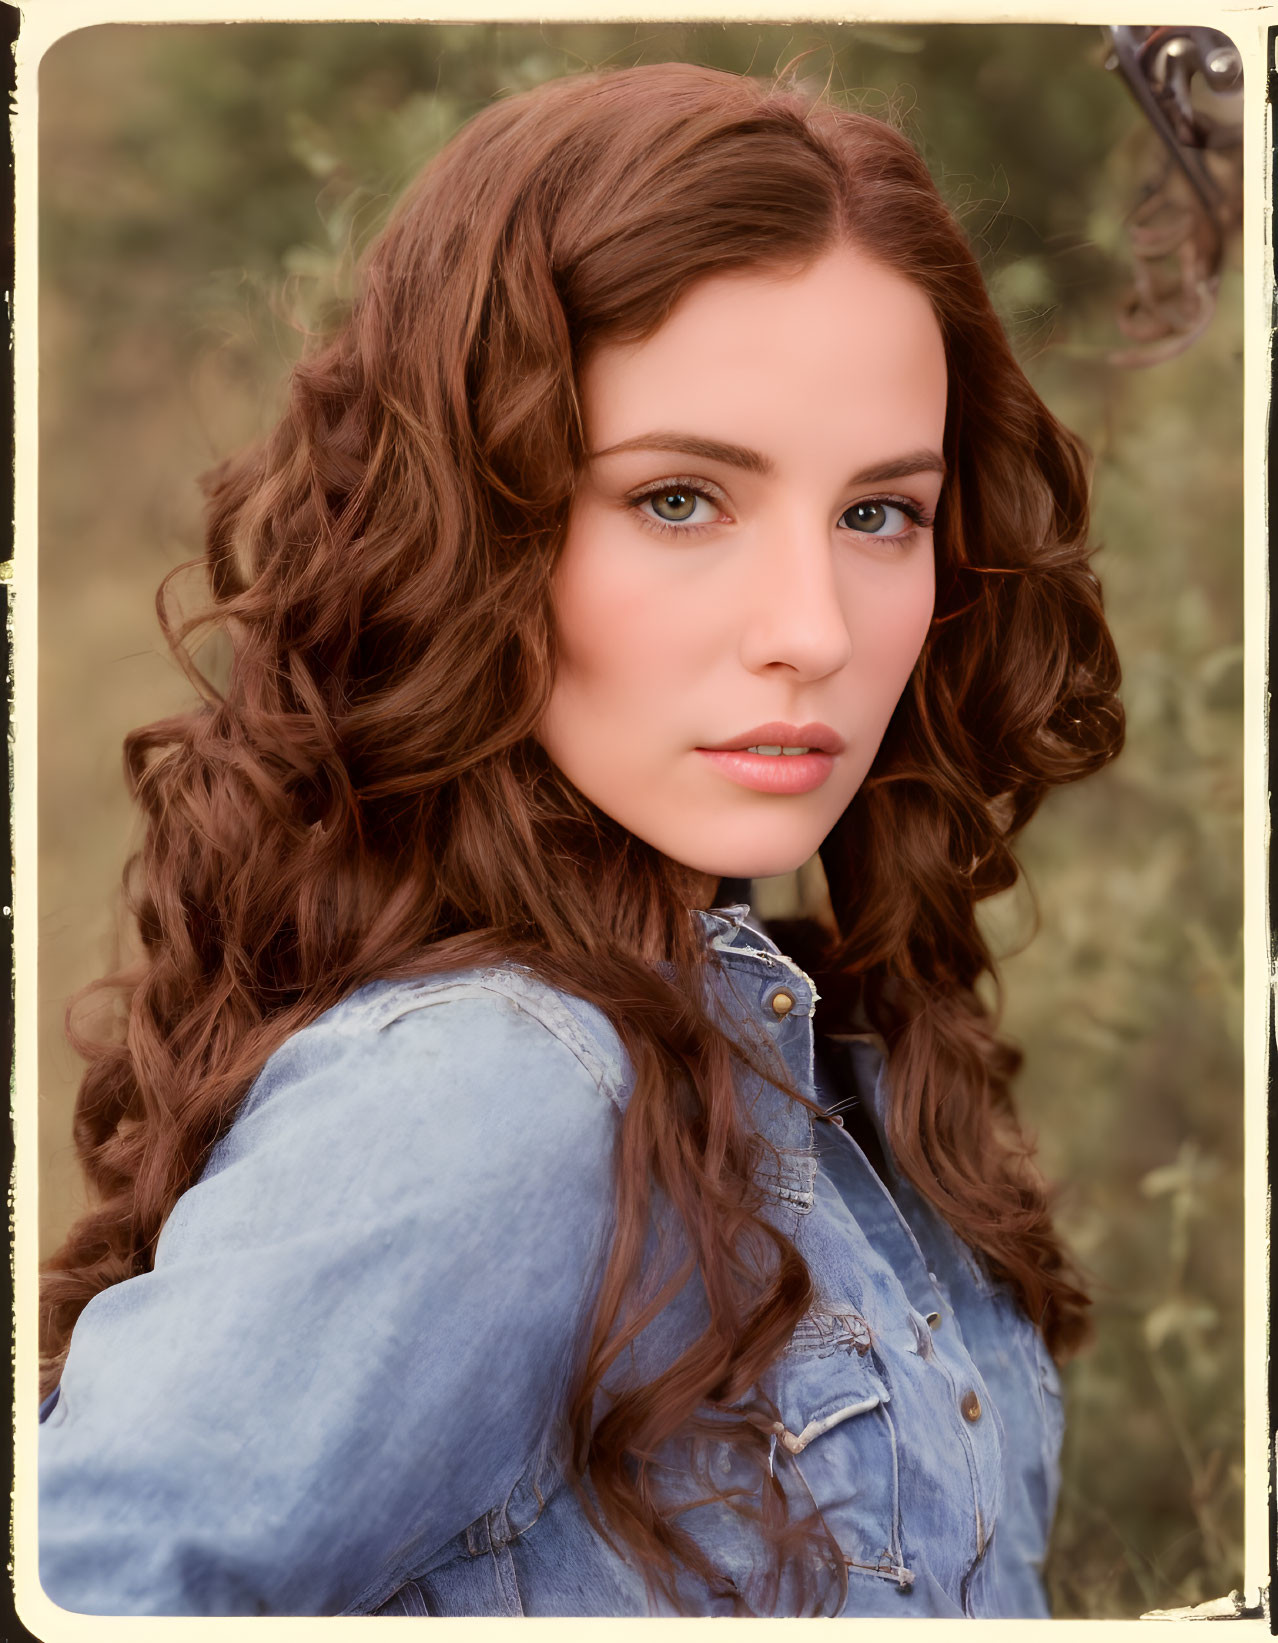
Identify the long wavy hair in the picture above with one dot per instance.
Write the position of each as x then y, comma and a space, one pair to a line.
366, 796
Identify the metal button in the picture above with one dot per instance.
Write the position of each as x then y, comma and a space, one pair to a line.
934, 1320
970, 1404
782, 1003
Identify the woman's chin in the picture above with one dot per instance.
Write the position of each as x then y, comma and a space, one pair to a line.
753, 867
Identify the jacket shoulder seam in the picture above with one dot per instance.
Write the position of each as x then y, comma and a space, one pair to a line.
522, 989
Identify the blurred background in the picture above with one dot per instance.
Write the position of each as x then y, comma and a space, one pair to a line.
203, 189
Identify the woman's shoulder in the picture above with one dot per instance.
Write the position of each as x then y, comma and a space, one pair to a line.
467, 1089
446, 1057
461, 1007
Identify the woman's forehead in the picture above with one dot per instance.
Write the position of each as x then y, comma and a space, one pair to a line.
741, 356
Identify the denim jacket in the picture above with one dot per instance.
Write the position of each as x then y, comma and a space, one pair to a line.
341, 1388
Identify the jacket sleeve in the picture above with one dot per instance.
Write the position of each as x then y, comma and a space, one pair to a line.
359, 1330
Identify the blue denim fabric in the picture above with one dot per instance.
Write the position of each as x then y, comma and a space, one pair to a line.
341, 1388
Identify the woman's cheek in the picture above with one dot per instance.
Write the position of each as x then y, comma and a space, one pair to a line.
889, 624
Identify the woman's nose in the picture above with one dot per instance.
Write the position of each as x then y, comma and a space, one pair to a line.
793, 615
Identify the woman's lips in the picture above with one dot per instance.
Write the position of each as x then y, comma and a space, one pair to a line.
771, 772
778, 772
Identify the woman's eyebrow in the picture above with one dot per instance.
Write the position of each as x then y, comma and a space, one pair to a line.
901, 467
742, 456
710, 450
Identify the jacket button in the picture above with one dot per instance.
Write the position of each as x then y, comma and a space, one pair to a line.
934, 1320
782, 1003
970, 1404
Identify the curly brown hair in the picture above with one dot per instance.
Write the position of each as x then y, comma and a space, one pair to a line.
366, 797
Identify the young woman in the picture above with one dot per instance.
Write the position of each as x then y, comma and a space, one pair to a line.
491, 1218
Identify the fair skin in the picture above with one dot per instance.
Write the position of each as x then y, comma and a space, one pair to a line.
749, 560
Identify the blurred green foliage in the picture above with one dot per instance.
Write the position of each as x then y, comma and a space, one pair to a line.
202, 192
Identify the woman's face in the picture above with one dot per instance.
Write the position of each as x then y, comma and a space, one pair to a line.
748, 566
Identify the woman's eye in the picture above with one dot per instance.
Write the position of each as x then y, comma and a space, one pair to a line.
677, 505
877, 518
